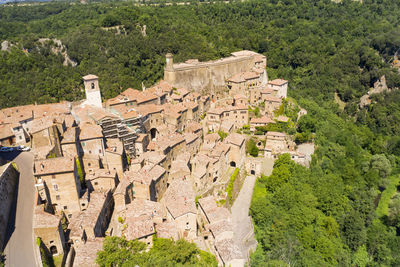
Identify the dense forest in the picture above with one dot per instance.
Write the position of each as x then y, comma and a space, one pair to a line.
343, 210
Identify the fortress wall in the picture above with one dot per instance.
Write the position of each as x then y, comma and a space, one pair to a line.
205, 76
8, 185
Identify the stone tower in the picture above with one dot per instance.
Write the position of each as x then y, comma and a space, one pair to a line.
92, 90
170, 61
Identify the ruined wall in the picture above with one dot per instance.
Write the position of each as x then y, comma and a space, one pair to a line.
206, 76
8, 185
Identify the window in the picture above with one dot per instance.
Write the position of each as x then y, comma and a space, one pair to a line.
53, 176
92, 85
20, 137
83, 143
96, 183
65, 207
69, 216
55, 187
100, 151
89, 164
58, 197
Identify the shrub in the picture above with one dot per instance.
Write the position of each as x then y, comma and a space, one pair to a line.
229, 188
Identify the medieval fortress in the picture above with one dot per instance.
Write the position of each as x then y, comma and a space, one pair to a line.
133, 165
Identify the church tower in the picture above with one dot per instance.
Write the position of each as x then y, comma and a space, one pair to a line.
92, 90
170, 61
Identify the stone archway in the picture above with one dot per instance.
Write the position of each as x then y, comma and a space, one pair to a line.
53, 250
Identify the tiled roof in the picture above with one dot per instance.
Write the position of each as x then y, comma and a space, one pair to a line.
54, 165
179, 198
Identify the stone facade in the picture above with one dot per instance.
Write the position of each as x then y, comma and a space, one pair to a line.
8, 185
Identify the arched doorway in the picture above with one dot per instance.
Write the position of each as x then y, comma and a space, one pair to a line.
253, 172
53, 250
153, 133
232, 164
215, 179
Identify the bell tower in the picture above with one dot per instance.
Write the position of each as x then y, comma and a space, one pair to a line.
170, 61
92, 90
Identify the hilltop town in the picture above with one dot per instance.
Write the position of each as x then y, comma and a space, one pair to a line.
155, 162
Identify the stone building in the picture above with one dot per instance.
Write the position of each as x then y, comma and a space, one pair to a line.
93, 221
280, 86
102, 180
150, 182
57, 182
204, 77
181, 208
237, 151
92, 143
48, 227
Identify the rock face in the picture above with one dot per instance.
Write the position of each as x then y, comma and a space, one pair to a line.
5, 46
380, 86
58, 47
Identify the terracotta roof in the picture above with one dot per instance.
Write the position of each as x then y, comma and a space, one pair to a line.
179, 198
239, 96
147, 174
193, 127
86, 253
69, 135
54, 165
90, 131
235, 138
42, 124
282, 118
42, 219
270, 133
138, 227
190, 137
101, 173
262, 120
273, 99
268, 91
221, 226
213, 137
5, 131
212, 211
228, 250
278, 82
167, 230
114, 145
140, 207
149, 109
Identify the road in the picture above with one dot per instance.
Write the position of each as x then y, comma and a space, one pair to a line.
19, 250
242, 223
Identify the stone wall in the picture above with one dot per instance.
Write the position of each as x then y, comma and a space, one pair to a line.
8, 184
206, 76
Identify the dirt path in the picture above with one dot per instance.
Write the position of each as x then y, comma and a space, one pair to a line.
242, 223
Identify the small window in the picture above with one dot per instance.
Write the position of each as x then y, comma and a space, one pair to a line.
20, 137
69, 216
100, 151
89, 164
55, 187
58, 197
65, 207
96, 183
51, 242
92, 85
53, 176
